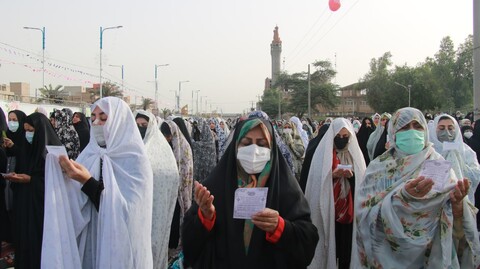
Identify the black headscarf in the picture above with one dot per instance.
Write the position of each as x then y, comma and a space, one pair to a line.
19, 149
475, 145
307, 161
475, 139
183, 128
362, 136
44, 135
3, 121
223, 247
29, 203
83, 130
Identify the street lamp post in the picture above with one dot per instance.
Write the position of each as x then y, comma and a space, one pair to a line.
201, 102
179, 92
101, 47
197, 91
120, 66
43, 55
408, 88
156, 82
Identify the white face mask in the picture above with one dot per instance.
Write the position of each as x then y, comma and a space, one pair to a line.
253, 158
13, 126
287, 131
468, 135
97, 131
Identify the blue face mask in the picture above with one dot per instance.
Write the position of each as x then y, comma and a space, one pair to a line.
29, 136
410, 141
13, 126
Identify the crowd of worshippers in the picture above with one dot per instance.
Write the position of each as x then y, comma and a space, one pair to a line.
339, 193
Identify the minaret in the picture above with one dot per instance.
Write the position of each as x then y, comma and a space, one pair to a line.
275, 51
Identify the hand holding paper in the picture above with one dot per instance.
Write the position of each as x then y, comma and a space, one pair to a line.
249, 201
439, 172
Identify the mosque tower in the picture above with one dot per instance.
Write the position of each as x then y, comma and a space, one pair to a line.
275, 51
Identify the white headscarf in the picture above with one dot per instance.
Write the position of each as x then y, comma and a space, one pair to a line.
319, 191
300, 130
463, 158
165, 188
119, 236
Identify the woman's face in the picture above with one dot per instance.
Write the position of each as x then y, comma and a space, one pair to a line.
445, 124
97, 113
76, 118
254, 136
212, 125
12, 117
141, 122
343, 133
384, 120
28, 127
412, 125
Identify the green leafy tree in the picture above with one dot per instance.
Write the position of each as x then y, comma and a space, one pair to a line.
108, 89
463, 75
322, 92
147, 103
269, 102
166, 112
53, 95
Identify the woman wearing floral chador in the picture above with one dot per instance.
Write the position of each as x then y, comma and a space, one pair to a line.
402, 219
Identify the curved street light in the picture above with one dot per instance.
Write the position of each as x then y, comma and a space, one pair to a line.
101, 47
43, 54
406, 88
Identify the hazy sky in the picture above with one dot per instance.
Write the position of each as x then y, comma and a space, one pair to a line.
221, 47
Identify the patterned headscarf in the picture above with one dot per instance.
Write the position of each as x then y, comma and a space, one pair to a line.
67, 134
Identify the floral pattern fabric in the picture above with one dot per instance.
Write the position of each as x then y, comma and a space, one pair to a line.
397, 230
204, 151
67, 134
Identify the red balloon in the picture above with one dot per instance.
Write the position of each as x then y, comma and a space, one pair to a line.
334, 5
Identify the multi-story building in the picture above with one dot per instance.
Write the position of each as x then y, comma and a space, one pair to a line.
353, 102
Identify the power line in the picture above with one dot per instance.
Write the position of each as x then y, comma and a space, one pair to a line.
329, 30
308, 32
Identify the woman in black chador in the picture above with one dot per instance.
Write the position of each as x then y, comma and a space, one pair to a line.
280, 236
30, 189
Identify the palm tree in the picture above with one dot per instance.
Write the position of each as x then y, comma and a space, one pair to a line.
108, 89
52, 95
166, 112
147, 103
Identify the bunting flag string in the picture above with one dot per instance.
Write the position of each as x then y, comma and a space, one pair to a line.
54, 69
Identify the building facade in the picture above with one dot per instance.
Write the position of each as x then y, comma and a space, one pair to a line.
352, 103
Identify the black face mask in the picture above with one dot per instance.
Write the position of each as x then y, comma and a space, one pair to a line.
143, 131
340, 142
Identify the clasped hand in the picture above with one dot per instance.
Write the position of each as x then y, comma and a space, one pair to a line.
338, 173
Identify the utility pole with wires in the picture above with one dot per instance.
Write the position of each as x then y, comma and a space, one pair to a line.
476, 59
309, 94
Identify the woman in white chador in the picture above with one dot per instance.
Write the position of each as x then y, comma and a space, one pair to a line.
165, 184
337, 169
102, 218
447, 140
